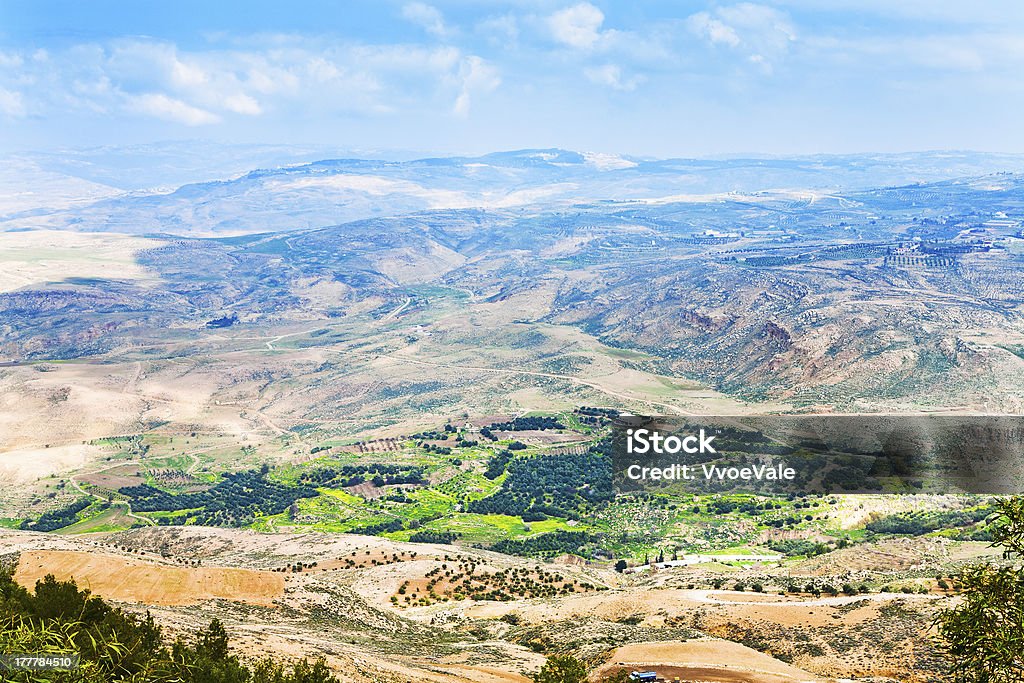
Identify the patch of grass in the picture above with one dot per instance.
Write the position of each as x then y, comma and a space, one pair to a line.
627, 354
478, 528
1015, 349
114, 518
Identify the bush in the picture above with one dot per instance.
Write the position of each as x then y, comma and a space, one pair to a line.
557, 542
441, 537
983, 636
561, 669
116, 646
58, 519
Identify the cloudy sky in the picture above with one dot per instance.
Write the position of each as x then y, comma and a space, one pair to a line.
659, 78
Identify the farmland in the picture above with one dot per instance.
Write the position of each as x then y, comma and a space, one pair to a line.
461, 487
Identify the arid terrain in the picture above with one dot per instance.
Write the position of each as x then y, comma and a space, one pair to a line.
361, 409
647, 621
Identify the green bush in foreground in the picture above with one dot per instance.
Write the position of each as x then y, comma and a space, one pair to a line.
984, 636
561, 669
117, 647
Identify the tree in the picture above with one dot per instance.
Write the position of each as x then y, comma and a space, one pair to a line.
561, 669
213, 642
116, 646
269, 671
983, 636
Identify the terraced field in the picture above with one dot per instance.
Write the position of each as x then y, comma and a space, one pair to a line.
150, 583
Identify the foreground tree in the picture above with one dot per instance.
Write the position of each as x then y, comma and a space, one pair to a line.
561, 669
119, 647
984, 636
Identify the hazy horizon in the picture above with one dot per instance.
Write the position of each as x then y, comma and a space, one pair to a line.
705, 79
384, 153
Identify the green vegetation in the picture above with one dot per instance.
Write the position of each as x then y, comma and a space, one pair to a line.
551, 485
919, 523
460, 578
546, 545
561, 669
114, 518
353, 475
497, 463
795, 547
115, 646
59, 518
442, 537
983, 637
236, 501
521, 424
538, 501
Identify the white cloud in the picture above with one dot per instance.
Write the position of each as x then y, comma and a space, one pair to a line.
286, 75
205, 81
170, 109
762, 64
717, 32
241, 103
759, 24
426, 16
578, 26
12, 103
10, 61
188, 75
502, 30
762, 34
401, 59
477, 76
611, 75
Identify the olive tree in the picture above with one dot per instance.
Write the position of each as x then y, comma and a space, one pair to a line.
561, 669
983, 636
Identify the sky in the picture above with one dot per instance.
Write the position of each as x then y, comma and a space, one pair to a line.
660, 78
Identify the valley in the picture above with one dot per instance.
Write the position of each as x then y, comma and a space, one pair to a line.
361, 409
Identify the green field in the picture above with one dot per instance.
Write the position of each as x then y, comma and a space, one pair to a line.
453, 494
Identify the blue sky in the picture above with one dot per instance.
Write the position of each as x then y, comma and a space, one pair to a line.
667, 78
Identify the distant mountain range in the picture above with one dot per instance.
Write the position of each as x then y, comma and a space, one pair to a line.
102, 191
856, 298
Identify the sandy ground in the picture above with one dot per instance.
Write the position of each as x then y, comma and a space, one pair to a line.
69, 403
356, 665
131, 580
235, 568
659, 606
707, 661
41, 256
26, 465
